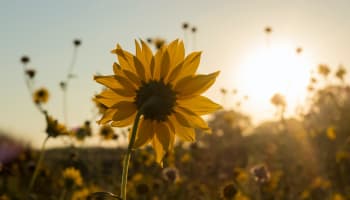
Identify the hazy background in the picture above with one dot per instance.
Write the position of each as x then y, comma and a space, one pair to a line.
230, 34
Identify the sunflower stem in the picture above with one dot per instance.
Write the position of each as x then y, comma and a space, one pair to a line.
37, 167
128, 155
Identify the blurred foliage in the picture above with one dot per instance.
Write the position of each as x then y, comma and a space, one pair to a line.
287, 159
307, 158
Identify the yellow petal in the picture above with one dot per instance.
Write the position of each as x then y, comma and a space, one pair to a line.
142, 55
199, 104
125, 122
116, 68
107, 116
157, 63
191, 119
185, 133
146, 51
140, 69
165, 64
125, 83
132, 77
145, 133
163, 139
158, 148
174, 74
108, 81
126, 74
125, 59
191, 86
108, 98
125, 92
138, 51
124, 110
176, 51
190, 65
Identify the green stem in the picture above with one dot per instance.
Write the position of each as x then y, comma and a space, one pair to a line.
128, 155
37, 167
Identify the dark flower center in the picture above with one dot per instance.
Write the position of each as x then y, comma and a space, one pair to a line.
160, 100
41, 93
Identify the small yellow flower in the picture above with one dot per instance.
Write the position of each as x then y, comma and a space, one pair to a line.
30, 73
341, 156
41, 96
323, 69
165, 88
278, 100
72, 177
107, 132
186, 158
53, 128
158, 42
82, 132
338, 196
331, 133
341, 72
321, 183
223, 91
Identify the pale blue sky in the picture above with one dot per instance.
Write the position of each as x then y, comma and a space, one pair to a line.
228, 30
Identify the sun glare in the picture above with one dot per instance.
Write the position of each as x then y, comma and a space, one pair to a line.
271, 69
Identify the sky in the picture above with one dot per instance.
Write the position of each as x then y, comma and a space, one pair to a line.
230, 35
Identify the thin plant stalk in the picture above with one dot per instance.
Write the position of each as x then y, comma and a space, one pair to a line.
66, 82
38, 164
29, 84
128, 155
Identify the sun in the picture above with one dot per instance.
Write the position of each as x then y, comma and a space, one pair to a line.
275, 68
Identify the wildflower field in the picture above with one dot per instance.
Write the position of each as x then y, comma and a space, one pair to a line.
161, 128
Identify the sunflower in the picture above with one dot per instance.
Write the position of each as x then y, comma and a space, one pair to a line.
41, 96
162, 87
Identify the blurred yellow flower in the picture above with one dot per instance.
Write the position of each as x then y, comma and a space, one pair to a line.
41, 96
72, 177
4, 197
53, 128
137, 177
341, 72
107, 132
163, 88
331, 133
240, 175
278, 100
321, 183
341, 156
81, 194
323, 69
158, 42
186, 158
338, 196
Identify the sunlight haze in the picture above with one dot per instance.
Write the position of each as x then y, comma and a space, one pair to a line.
230, 35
